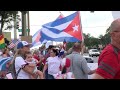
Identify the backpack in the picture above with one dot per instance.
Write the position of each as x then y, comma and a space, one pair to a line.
12, 70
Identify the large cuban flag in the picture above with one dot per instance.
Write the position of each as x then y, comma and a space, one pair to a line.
68, 28
37, 36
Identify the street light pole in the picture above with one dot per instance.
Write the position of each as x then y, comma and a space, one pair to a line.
28, 23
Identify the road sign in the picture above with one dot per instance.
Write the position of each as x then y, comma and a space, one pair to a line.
20, 30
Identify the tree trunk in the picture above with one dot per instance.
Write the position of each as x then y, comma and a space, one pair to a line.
2, 24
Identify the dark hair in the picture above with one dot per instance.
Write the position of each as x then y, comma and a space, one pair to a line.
4, 51
50, 47
55, 51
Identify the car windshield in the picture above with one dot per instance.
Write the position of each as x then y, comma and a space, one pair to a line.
95, 50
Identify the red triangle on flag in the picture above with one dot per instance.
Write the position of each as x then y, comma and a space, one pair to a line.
38, 37
74, 28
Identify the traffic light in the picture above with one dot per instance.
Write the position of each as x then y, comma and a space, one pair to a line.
7, 41
17, 25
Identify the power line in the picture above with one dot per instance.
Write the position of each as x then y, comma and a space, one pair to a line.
82, 26
96, 27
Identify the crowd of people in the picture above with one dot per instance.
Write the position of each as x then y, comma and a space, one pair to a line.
52, 63
47, 63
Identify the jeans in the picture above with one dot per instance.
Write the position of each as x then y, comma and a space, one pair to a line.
46, 73
50, 76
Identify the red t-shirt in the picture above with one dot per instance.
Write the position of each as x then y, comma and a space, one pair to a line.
109, 63
67, 64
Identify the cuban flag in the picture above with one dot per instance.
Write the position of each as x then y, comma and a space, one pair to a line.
68, 28
4, 62
37, 36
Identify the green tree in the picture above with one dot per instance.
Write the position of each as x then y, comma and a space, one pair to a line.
105, 39
6, 18
92, 42
69, 45
87, 39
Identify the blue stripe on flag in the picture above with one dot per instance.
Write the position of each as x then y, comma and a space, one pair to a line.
61, 39
3, 63
54, 30
3, 60
62, 20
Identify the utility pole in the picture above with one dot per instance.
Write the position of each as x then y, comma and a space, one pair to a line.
24, 23
28, 18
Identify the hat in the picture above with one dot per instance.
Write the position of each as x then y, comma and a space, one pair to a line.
21, 44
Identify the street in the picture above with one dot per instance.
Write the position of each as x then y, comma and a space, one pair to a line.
92, 66
94, 57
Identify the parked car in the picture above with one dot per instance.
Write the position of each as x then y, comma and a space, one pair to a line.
94, 52
89, 59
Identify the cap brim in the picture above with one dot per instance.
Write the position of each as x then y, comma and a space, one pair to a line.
29, 44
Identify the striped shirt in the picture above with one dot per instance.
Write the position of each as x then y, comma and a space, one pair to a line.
108, 63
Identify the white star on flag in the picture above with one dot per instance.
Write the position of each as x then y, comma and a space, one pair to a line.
75, 28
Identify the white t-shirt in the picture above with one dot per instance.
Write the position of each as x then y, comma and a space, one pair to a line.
19, 62
53, 65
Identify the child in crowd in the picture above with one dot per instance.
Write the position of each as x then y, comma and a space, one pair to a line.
32, 63
65, 72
